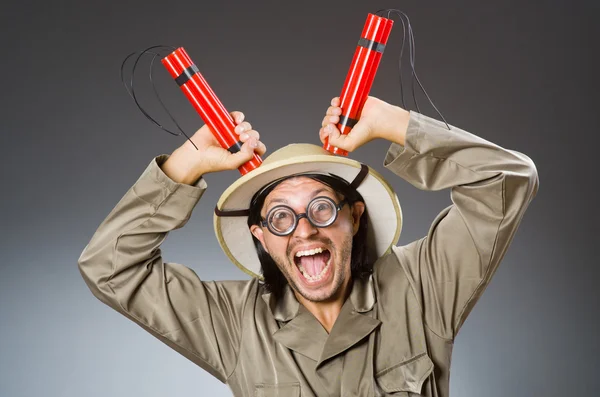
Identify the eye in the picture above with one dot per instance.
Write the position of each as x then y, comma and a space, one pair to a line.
281, 215
323, 206
281, 218
322, 211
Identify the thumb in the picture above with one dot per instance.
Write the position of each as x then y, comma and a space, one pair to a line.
343, 141
245, 154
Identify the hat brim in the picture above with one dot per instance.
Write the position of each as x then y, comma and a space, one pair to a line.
383, 207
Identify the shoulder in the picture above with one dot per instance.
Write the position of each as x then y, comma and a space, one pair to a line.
397, 269
396, 261
239, 291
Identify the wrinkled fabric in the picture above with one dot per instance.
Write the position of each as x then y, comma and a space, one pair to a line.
395, 333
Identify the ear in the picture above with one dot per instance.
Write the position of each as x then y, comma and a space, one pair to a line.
258, 233
357, 210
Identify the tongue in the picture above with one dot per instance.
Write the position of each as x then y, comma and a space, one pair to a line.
314, 264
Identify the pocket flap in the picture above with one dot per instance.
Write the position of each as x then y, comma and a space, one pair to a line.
291, 389
406, 376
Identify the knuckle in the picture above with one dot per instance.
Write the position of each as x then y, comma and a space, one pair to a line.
238, 116
351, 145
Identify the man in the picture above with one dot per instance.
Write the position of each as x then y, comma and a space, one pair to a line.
333, 307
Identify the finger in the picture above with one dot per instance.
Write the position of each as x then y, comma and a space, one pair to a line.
238, 117
322, 135
244, 136
333, 111
235, 160
261, 149
243, 127
254, 145
330, 120
335, 101
342, 141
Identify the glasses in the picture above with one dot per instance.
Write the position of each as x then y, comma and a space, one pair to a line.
321, 211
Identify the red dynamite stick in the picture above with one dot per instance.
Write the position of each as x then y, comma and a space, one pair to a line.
361, 74
206, 103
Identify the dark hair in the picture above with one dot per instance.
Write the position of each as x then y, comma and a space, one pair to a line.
360, 264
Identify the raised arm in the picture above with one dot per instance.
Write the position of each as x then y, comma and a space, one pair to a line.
491, 188
124, 268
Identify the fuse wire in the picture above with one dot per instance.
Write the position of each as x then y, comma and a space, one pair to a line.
155, 51
410, 37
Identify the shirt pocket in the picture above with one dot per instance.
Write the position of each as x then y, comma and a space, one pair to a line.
405, 378
289, 389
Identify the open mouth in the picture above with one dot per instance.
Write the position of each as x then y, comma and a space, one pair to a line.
313, 264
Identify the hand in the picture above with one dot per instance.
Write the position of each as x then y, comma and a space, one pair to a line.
378, 119
187, 165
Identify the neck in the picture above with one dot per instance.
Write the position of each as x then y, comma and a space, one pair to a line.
327, 312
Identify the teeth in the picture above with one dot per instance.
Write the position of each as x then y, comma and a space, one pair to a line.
318, 276
309, 252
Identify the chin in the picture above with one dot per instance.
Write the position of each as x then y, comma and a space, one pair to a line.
320, 290
316, 296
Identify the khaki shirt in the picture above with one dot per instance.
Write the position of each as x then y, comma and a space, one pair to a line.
395, 333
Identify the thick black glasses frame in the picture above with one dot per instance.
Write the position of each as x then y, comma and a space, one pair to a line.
338, 207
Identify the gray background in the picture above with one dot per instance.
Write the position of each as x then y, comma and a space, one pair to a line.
520, 74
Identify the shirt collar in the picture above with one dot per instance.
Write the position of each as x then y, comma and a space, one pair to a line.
362, 298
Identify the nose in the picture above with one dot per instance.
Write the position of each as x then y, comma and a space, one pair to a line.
304, 228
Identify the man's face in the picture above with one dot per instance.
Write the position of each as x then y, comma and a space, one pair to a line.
315, 261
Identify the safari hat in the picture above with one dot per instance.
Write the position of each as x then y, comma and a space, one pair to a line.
231, 213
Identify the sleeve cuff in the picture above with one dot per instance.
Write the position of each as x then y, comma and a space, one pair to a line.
397, 156
195, 190
154, 186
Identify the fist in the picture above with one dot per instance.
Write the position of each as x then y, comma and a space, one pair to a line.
190, 161
378, 119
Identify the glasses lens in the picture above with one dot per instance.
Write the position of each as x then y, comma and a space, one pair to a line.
281, 219
322, 211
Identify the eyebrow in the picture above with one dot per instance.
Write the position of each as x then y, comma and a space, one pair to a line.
284, 201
